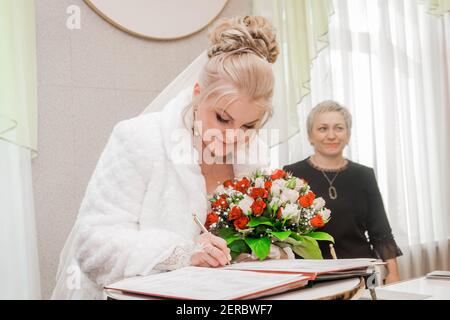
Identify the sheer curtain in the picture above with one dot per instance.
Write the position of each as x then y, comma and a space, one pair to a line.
388, 63
302, 31
19, 267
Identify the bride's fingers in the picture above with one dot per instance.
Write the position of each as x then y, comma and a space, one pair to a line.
210, 260
217, 254
221, 244
203, 264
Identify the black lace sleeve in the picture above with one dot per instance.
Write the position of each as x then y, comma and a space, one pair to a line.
380, 232
386, 247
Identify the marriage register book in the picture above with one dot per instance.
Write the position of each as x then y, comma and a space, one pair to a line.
196, 283
248, 280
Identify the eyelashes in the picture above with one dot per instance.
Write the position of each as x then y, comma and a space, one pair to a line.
224, 121
324, 129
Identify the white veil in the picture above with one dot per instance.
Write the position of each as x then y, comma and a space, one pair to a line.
185, 79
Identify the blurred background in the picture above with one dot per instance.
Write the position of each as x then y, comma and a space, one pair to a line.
71, 69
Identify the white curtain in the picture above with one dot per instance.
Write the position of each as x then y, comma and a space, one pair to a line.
388, 62
19, 267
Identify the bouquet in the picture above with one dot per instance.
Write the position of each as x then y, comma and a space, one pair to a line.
268, 208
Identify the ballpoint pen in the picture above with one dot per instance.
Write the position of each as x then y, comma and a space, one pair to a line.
203, 228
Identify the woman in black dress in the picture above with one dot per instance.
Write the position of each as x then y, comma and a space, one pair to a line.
359, 223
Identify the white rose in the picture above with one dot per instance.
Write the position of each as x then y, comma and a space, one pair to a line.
230, 192
319, 203
275, 190
326, 213
245, 204
280, 183
259, 183
291, 211
220, 189
289, 195
299, 183
275, 201
277, 186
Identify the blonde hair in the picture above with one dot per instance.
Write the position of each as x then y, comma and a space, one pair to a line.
329, 106
240, 56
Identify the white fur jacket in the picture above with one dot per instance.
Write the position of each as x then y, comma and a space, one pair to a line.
136, 215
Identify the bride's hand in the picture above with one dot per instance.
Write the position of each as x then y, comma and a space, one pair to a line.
215, 252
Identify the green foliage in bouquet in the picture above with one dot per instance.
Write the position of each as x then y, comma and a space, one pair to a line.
269, 208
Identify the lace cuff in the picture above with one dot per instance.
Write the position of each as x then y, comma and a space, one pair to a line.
386, 247
180, 257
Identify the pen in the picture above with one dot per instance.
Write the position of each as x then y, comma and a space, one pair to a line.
197, 221
202, 228
333, 252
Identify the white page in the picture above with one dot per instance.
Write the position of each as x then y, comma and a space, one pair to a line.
204, 283
304, 266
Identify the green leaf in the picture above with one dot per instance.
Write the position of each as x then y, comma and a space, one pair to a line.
260, 247
232, 239
280, 235
321, 236
305, 247
267, 211
226, 233
254, 222
229, 235
262, 229
239, 246
275, 208
296, 236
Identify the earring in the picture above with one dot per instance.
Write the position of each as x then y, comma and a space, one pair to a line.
196, 133
194, 128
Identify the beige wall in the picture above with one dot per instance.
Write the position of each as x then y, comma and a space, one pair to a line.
88, 80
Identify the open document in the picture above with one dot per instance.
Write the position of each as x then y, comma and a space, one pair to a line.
195, 283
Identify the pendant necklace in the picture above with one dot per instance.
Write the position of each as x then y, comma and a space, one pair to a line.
332, 192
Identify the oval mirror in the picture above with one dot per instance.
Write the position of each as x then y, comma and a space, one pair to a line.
158, 19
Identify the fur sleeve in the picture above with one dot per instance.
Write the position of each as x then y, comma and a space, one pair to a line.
110, 244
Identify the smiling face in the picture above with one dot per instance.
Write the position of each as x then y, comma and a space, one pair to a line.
329, 134
226, 122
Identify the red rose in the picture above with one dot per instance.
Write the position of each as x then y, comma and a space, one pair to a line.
278, 174
211, 218
307, 201
268, 185
242, 185
258, 207
241, 223
279, 213
221, 202
259, 193
317, 221
228, 184
235, 213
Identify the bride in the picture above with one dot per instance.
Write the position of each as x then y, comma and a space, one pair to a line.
158, 169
